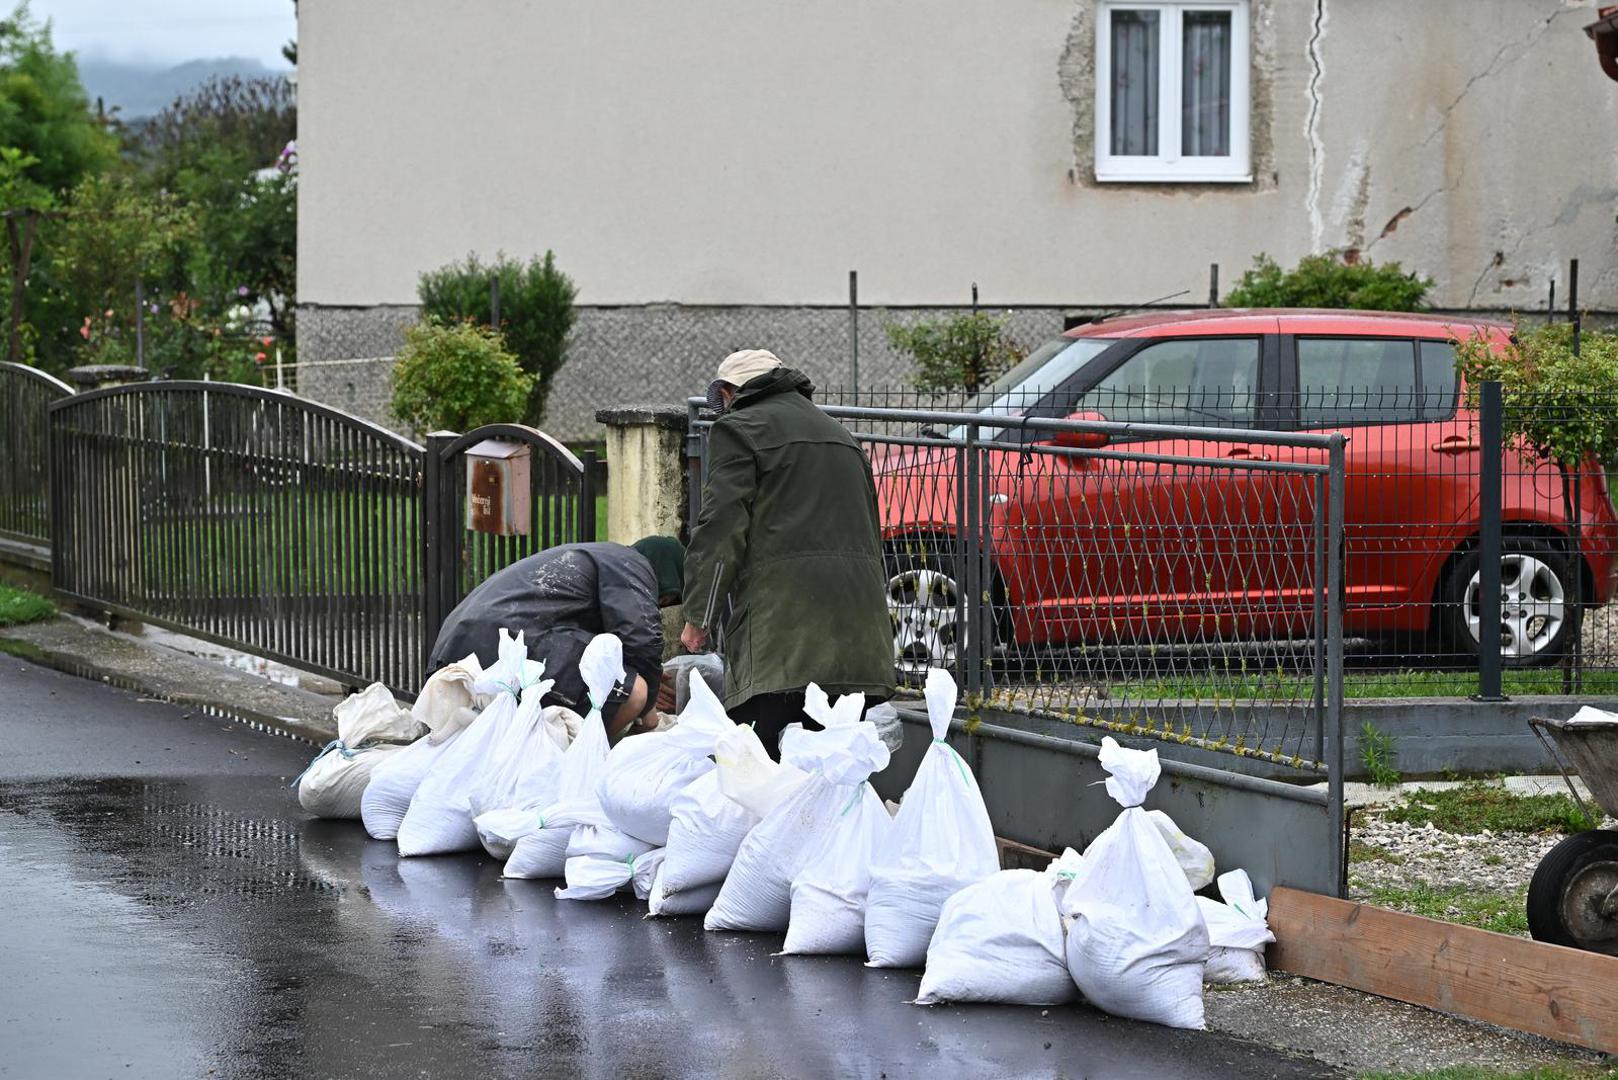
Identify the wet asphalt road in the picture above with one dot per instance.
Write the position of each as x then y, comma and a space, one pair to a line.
170, 912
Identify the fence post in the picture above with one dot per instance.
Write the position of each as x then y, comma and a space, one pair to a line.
972, 592
586, 527
140, 324
1213, 285
1334, 655
494, 301
1490, 428
1573, 302
853, 335
436, 539
694, 468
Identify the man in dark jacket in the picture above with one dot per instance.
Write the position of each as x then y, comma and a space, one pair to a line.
561, 598
789, 531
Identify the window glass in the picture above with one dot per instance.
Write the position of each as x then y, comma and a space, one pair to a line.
1135, 66
1357, 381
1205, 84
1026, 389
1207, 382
1438, 380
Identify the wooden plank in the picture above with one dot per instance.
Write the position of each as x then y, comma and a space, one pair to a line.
1015, 856
1563, 994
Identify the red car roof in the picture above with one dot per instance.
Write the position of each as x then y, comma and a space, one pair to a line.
1232, 321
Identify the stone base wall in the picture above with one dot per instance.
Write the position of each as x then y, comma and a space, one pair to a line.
659, 352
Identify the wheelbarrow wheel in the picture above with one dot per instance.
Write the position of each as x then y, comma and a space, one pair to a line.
1573, 896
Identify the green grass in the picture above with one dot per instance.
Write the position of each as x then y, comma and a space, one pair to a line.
1561, 1070
1503, 913
1219, 686
1376, 755
1476, 806
1359, 851
18, 606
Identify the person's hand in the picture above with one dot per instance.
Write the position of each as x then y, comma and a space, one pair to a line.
665, 693
694, 638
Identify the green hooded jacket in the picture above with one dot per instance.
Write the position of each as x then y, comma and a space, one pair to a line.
789, 530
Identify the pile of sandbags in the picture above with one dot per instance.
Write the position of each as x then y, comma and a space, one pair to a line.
445, 706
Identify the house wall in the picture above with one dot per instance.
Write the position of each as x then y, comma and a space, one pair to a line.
728, 164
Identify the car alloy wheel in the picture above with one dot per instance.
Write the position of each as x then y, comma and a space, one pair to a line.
1533, 606
923, 605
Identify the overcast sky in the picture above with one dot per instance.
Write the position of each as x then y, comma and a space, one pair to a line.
169, 31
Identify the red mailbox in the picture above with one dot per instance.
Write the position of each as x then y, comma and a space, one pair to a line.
497, 488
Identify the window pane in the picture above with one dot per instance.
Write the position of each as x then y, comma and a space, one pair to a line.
1210, 382
1356, 381
1134, 83
1205, 104
1438, 380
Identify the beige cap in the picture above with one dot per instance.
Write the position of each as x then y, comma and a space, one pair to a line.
736, 369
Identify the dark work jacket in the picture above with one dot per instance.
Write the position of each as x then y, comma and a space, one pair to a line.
789, 530
561, 598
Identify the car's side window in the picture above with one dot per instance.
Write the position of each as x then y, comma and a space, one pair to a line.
1207, 382
1439, 381
1357, 380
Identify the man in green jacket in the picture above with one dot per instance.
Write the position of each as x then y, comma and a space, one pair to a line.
789, 531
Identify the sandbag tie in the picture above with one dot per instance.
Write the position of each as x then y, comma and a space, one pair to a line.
337, 745
960, 762
853, 801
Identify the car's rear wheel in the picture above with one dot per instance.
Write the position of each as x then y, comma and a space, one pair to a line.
1538, 610
924, 605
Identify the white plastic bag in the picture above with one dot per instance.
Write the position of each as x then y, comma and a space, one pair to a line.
333, 786
439, 820
447, 702
372, 715
757, 893
999, 940
499, 830
644, 773
542, 853
941, 842
1237, 932
600, 861
1136, 943
662, 901
394, 781
1192, 855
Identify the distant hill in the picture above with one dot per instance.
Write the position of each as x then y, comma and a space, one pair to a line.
142, 90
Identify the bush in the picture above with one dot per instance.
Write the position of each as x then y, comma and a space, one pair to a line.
536, 312
1326, 281
457, 376
958, 352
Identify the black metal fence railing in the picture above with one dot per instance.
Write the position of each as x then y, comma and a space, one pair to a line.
1133, 577
25, 397
288, 529
245, 517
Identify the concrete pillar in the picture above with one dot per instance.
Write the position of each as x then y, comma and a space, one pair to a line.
646, 483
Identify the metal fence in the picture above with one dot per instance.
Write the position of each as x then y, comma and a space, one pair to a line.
25, 395
1128, 576
257, 520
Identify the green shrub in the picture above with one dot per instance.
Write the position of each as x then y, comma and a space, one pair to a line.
536, 312
956, 352
1326, 281
457, 376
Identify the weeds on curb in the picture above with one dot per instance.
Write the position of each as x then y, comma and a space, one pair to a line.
18, 606
1476, 806
1376, 756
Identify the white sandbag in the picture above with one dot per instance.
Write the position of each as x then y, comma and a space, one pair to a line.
644, 773
523, 764
941, 842
542, 853
1192, 855
646, 869
829, 896
693, 901
999, 940
1237, 931
439, 820
333, 786
1136, 941
600, 861
394, 781
373, 716
447, 702
499, 830
749, 777
563, 723
757, 893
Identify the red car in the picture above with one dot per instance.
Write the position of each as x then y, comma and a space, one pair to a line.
1151, 549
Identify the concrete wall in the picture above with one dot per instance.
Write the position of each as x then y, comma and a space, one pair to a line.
748, 156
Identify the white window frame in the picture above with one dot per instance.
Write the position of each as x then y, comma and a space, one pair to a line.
1169, 165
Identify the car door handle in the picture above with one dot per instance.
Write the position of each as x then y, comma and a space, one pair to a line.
1456, 444
1246, 453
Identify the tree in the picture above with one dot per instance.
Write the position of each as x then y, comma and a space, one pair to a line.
536, 312
246, 122
456, 376
1327, 281
44, 112
960, 352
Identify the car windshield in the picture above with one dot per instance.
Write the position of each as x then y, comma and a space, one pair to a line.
1045, 369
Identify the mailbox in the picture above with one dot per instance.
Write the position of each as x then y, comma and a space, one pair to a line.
497, 488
